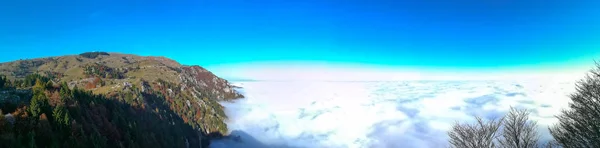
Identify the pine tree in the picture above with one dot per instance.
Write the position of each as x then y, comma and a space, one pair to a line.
39, 102
61, 115
97, 140
38, 87
49, 85
31, 140
44, 132
35, 106
3, 122
65, 93
3, 81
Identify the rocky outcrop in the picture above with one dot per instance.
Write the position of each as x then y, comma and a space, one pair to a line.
204, 82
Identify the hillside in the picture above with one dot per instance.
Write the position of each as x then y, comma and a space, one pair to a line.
156, 87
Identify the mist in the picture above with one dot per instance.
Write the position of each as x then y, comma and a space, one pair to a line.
379, 114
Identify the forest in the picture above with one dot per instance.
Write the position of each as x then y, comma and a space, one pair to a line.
92, 55
38, 112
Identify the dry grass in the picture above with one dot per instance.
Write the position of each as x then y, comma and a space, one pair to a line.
151, 68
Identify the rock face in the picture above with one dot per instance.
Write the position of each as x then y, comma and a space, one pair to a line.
191, 91
204, 82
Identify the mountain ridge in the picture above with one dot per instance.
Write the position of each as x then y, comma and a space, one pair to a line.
146, 82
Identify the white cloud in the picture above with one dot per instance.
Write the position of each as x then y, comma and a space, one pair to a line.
379, 114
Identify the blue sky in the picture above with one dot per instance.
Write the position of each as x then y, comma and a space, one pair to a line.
228, 34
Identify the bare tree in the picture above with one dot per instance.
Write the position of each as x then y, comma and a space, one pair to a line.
517, 132
551, 144
478, 135
579, 126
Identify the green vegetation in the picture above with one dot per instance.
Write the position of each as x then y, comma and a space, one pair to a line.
61, 117
31, 80
142, 90
3, 81
92, 55
205, 115
102, 71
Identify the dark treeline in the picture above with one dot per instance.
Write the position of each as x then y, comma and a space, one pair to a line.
93, 55
36, 112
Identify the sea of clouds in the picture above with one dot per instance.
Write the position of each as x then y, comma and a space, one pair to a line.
379, 114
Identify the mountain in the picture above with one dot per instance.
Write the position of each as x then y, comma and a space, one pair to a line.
121, 100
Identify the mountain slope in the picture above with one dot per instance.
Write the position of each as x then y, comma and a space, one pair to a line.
119, 68
152, 84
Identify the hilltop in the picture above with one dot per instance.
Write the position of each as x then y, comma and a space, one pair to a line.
148, 84
113, 70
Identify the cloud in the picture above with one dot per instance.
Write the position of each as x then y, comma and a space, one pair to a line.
379, 114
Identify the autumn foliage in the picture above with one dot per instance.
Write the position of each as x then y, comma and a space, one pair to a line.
59, 117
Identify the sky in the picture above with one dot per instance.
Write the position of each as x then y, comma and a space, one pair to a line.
244, 39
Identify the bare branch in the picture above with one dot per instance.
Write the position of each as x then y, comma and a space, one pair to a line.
478, 135
518, 131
